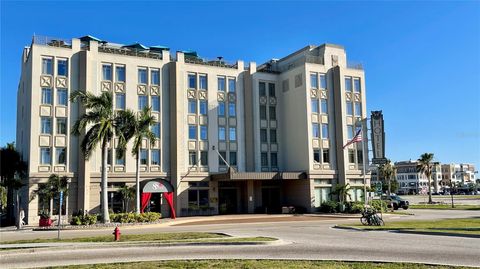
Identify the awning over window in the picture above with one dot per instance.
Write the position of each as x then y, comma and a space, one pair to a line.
158, 185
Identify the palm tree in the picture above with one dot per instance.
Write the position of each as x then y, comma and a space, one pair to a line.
424, 166
141, 131
343, 192
52, 189
388, 171
127, 193
104, 124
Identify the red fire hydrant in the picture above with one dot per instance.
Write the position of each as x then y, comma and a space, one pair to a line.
117, 234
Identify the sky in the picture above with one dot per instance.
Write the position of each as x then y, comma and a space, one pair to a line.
421, 59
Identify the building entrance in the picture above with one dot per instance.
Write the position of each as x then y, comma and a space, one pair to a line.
232, 197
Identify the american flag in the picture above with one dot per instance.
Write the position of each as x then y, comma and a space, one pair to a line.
355, 139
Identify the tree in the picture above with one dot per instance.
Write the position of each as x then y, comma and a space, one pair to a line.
424, 166
104, 124
342, 192
52, 189
127, 193
388, 171
141, 131
12, 170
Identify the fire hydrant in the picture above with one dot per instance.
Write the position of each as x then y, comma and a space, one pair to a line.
117, 234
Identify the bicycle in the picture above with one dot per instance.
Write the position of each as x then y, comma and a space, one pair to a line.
371, 218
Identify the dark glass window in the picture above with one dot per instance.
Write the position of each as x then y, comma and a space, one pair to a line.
262, 89
62, 67
120, 73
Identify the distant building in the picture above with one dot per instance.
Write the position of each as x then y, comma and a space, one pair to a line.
460, 174
412, 182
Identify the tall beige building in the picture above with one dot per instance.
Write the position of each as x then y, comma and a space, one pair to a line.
231, 137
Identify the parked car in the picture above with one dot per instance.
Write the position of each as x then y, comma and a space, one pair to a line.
395, 201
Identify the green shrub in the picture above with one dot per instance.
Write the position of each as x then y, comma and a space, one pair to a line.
132, 217
329, 207
81, 218
354, 207
379, 205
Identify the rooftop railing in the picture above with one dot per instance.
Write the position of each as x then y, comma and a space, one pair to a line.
218, 63
51, 41
354, 65
105, 48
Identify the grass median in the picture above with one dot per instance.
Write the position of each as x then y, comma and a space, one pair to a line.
469, 226
263, 264
445, 207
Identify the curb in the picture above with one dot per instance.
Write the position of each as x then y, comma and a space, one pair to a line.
407, 232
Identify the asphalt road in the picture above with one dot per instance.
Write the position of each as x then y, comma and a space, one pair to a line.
310, 238
444, 199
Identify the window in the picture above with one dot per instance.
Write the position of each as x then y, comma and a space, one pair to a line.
358, 109
221, 84
192, 81
349, 108
221, 133
271, 89
224, 156
315, 130
198, 199
119, 158
203, 82
356, 84
323, 81
156, 103
324, 106
46, 96
272, 112
351, 156
62, 126
350, 131
231, 85
120, 100
232, 134
62, 97
192, 106
203, 132
156, 129
262, 89
273, 136
142, 102
47, 68
322, 195
273, 159
360, 156
109, 157
326, 155
348, 84
192, 132
142, 76
192, 158
155, 156
143, 157
221, 109
316, 156
263, 112
204, 158
62, 67
120, 73
263, 135
264, 159
233, 158
107, 72
46, 125
314, 80
324, 130
60, 156
314, 105
203, 107
232, 112
155, 77
45, 156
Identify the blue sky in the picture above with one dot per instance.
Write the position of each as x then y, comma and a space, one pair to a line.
421, 59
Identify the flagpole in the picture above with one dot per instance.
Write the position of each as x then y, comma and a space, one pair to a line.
364, 137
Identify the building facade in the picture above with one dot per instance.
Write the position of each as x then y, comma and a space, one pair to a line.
459, 174
230, 137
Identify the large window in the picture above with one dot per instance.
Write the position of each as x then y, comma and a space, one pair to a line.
62, 97
142, 102
221, 84
314, 80
316, 156
360, 156
232, 134
120, 73
60, 156
46, 96
46, 125
192, 106
262, 89
232, 112
323, 81
348, 84
324, 106
358, 109
315, 130
272, 112
203, 82
143, 157
356, 84
45, 155
231, 85
351, 156
47, 68
62, 67
156, 129
273, 159
192, 158
271, 89
314, 105
119, 158
192, 81
198, 198
224, 157
192, 132
233, 158
326, 155
221, 109
264, 159
263, 112
221, 133
263, 135
273, 136
203, 132
142, 76
156, 103
155, 156
322, 195
204, 158
203, 107
106, 72
324, 130
155, 76
62, 126
350, 131
349, 108
120, 101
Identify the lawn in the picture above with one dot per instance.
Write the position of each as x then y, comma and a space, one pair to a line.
262, 264
446, 206
457, 226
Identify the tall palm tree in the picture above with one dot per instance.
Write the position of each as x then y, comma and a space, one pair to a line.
104, 123
141, 131
388, 172
52, 189
425, 166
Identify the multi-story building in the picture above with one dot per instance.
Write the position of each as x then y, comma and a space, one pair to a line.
460, 174
413, 182
231, 138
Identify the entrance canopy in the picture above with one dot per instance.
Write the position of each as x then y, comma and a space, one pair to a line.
231, 174
156, 186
